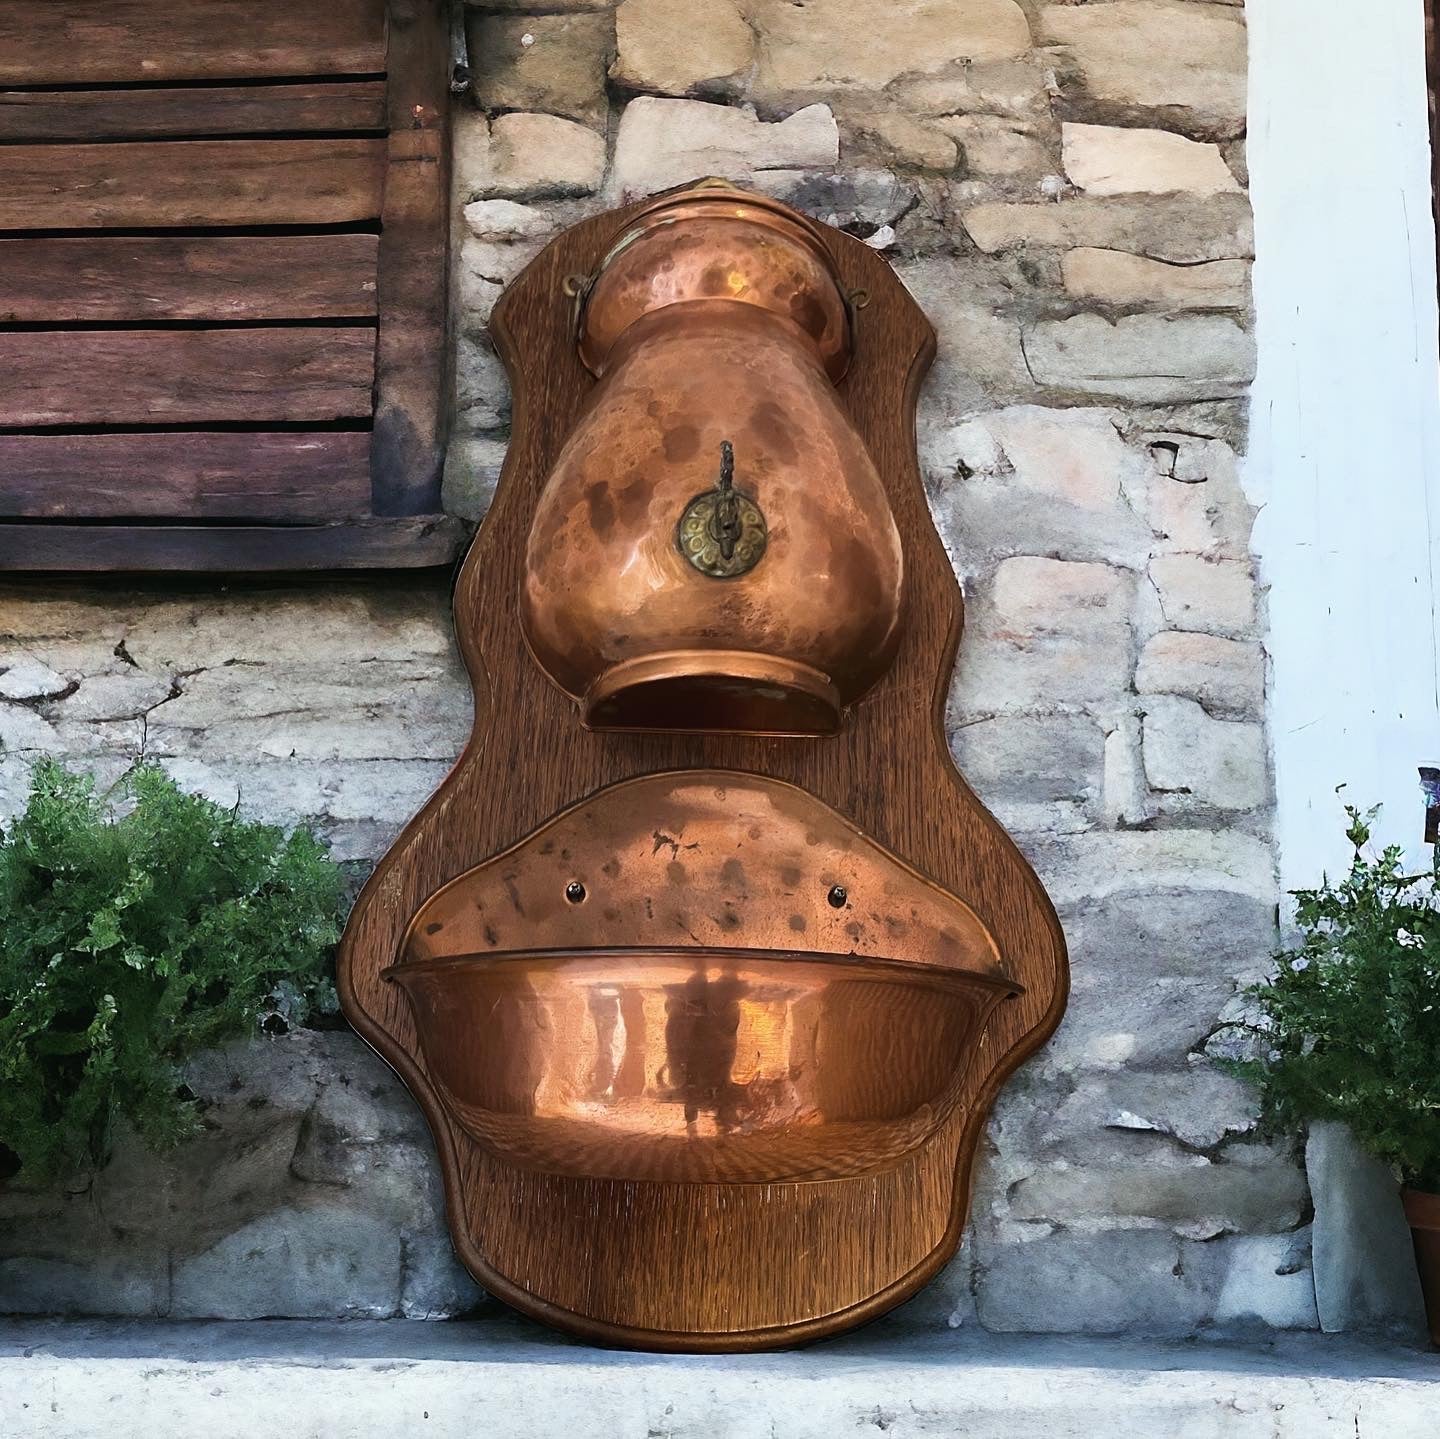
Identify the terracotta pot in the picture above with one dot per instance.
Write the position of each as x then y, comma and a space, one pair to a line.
1423, 1213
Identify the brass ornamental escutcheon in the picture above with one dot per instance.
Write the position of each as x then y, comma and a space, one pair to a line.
723, 532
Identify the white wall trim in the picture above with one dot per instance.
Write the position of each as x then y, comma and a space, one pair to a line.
1345, 446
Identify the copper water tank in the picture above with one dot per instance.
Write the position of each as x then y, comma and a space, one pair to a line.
714, 549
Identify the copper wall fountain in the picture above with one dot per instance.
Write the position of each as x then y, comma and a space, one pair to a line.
704, 963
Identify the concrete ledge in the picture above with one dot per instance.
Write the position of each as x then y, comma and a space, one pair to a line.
298, 1379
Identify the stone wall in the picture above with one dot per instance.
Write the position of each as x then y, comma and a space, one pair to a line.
1063, 188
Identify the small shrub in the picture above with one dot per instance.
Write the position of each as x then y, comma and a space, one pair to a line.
127, 945
1351, 1018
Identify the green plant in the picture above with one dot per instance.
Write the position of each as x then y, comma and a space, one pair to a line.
126, 945
1351, 1018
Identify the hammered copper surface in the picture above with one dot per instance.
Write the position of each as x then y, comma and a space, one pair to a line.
714, 242
715, 320
697, 1264
696, 1065
708, 858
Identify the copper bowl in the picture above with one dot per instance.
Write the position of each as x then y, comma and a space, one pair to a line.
717, 319
718, 1066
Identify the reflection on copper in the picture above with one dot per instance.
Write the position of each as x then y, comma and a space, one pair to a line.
715, 321
717, 1066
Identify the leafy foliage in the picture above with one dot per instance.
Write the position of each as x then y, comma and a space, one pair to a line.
1352, 1017
126, 945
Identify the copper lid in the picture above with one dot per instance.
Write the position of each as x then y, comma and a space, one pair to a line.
712, 241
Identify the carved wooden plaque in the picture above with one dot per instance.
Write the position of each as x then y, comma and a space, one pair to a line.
706, 1025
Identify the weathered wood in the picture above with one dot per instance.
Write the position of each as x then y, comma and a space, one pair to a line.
630, 1263
157, 377
77, 42
409, 436
362, 545
28, 115
128, 143
190, 183
323, 475
164, 277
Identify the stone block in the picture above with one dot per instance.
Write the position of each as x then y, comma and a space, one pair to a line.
127, 695
97, 1280
1032, 595
1197, 505
1178, 229
1226, 677
1262, 1279
554, 64
1114, 277
294, 1263
1111, 1283
1365, 1278
347, 621
482, 389
1150, 972
1209, 762
507, 220
813, 51
1125, 794
1153, 358
23, 732
1092, 867
328, 796
1115, 160
1182, 61
1045, 633
1039, 773
660, 47
996, 145
472, 470
1200, 1108
22, 677
482, 269
903, 140
1017, 89
1061, 481
859, 199
434, 1284
1212, 596
527, 156
330, 713
664, 142
980, 361
1202, 1199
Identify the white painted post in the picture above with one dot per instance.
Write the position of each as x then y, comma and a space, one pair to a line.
1345, 459
1345, 450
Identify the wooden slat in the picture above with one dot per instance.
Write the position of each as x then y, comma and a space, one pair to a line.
208, 476
190, 183
211, 110
104, 42
160, 277
409, 436
371, 544
118, 377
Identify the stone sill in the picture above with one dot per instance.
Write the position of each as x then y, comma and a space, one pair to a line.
503, 1377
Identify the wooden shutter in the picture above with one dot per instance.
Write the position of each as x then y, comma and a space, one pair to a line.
223, 249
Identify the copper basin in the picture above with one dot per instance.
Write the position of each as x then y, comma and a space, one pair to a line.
719, 1066
718, 328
